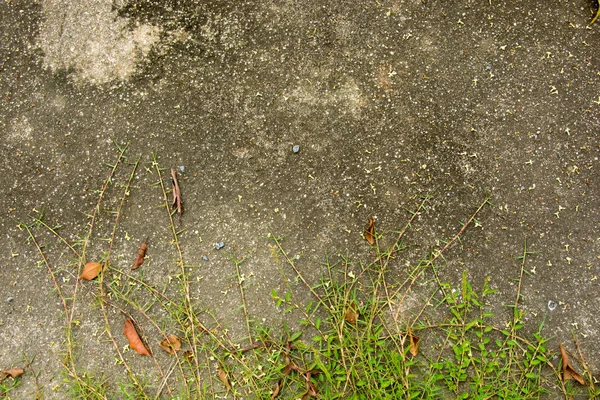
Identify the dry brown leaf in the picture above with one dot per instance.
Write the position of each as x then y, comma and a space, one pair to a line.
414, 343
176, 192
288, 366
134, 339
139, 259
171, 345
568, 370
222, 375
370, 232
311, 389
351, 313
13, 372
91, 270
277, 389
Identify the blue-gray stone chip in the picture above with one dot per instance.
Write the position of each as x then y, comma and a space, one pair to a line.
296, 148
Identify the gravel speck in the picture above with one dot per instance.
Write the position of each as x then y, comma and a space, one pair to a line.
219, 245
9, 299
205, 258
296, 148
551, 305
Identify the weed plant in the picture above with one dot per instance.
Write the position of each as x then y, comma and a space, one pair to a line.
357, 340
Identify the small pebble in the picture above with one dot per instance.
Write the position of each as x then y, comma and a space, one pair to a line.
9, 299
219, 245
205, 258
551, 305
181, 168
296, 148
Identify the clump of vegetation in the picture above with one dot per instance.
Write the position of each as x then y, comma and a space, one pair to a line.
358, 338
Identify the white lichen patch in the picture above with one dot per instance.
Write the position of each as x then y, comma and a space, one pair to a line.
348, 98
21, 131
91, 40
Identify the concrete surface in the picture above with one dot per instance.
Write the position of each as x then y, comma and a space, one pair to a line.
389, 100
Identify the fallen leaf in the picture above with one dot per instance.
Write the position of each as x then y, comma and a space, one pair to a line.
351, 313
139, 259
222, 375
134, 339
288, 366
176, 192
91, 270
311, 389
171, 344
370, 232
277, 389
568, 370
414, 343
13, 372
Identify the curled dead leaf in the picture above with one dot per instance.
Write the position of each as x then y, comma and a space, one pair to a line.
568, 370
91, 270
311, 389
414, 342
222, 375
176, 192
370, 232
351, 313
135, 342
13, 373
139, 259
171, 345
277, 389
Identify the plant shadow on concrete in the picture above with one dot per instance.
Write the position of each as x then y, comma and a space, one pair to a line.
358, 337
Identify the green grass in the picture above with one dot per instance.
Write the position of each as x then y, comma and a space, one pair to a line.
384, 328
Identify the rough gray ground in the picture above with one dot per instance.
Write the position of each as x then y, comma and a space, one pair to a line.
388, 100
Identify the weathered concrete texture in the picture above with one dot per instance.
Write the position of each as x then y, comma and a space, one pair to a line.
389, 101
89, 39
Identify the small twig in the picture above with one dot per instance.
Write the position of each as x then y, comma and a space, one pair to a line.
69, 362
435, 256
103, 294
291, 264
523, 258
240, 282
91, 224
189, 308
40, 220
40, 393
164, 382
